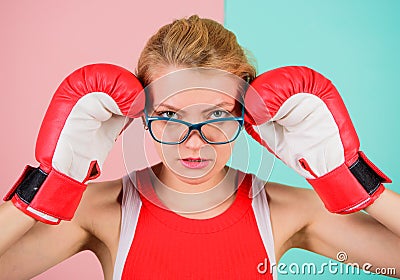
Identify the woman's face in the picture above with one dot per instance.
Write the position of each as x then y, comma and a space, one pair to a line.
194, 161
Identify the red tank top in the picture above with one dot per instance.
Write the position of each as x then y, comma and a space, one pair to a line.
169, 246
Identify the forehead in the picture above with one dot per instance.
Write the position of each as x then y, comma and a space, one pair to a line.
194, 98
195, 85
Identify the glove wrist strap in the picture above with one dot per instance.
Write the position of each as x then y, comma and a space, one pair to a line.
46, 197
367, 174
350, 189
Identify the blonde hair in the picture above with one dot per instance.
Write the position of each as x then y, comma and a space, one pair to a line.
193, 42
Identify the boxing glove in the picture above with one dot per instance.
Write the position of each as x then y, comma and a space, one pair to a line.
299, 116
85, 116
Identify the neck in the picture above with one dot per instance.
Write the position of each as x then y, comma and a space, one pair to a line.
184, 197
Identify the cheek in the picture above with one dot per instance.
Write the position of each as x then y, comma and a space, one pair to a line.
224, 152
161, 150
167, 153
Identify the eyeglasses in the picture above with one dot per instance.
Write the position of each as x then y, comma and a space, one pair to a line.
172, 131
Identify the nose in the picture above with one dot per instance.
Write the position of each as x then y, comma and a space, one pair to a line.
194, 140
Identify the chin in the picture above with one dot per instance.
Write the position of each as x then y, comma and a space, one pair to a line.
194, 177
194, 181
197, 177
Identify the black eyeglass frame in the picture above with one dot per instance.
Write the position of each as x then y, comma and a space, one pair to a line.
196, 126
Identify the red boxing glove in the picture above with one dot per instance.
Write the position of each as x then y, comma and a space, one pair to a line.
82, 122
298, 115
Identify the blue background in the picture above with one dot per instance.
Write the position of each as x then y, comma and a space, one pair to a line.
356, 45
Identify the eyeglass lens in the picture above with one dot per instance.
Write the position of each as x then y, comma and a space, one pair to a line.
215, 132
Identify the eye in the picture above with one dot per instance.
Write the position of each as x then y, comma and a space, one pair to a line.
167, 114
219, 114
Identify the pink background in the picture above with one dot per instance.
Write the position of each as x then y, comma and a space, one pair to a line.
41, 43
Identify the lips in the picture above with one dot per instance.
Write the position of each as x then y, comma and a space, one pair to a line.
194, 159
194, 163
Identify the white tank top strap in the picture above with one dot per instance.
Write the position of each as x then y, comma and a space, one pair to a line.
130, 208
263, 218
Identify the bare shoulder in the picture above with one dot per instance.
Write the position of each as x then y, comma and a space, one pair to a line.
100, 209
292, 209
283, 195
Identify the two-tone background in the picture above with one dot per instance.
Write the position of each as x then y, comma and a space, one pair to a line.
355, 43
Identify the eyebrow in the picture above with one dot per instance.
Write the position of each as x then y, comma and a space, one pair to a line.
219, 105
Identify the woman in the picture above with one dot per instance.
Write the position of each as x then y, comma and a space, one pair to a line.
215, 234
